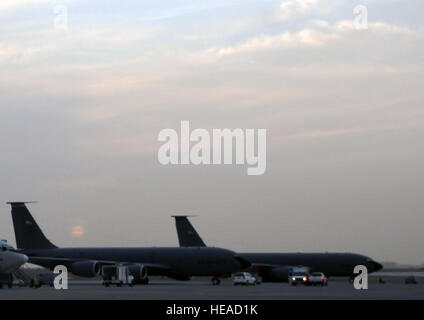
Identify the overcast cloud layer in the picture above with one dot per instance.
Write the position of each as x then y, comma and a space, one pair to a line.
80, 111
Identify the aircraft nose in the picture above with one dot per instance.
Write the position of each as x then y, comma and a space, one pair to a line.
23, 258
372, 265
376, 266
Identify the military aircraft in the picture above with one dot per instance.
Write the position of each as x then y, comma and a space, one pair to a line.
174, 262
275, 267
10, 261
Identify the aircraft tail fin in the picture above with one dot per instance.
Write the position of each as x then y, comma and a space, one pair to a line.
187, 235
27, 232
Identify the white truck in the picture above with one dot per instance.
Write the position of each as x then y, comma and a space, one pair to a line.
116, 275
299, 275
244, 278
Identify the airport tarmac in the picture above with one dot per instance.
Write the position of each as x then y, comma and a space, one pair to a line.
201, 289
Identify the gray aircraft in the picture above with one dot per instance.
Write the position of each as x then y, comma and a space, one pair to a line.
10, 261
275, 267
175, 262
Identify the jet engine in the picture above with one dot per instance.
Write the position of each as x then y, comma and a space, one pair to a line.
86, 269
139, 272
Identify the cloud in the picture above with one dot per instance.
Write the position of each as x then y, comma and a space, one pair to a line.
14, 4
312, 37
320, 23
100, 43
307, 37
289, 9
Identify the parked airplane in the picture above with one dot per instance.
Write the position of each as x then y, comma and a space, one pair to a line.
10, 261
177, 263
275, 267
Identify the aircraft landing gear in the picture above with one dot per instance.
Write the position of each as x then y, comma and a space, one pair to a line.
10, 283
215, 281
145, 281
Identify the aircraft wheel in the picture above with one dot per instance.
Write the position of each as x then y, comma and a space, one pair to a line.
216, 281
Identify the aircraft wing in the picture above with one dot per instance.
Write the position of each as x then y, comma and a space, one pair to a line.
50, 262
258, 267
264, 269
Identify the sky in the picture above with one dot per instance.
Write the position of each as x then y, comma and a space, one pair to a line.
81, 108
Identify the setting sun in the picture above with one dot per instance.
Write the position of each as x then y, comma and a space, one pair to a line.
77, 231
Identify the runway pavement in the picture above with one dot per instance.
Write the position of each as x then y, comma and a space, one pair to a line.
201, 289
